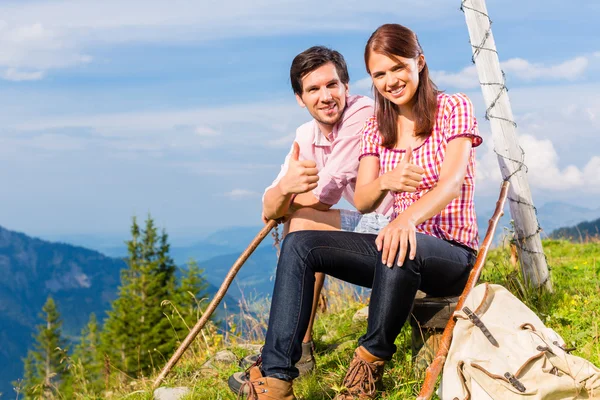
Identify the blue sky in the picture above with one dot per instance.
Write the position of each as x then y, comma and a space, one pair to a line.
183, 109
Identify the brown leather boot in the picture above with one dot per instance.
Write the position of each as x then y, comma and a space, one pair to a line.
263, 388
363, 378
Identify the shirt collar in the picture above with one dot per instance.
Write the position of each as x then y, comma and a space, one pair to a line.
320, 138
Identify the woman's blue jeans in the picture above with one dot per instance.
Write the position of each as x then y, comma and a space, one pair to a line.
440, 268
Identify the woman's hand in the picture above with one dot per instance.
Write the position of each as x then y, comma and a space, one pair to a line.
395, 238
406, 177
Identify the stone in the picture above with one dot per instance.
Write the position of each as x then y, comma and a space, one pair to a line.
176, 393
224, 356
254, 348
361, 315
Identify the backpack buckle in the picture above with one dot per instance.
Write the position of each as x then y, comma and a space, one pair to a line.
479, 323
515, 382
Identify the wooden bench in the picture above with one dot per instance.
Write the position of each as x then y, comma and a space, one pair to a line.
427, 321
430, 315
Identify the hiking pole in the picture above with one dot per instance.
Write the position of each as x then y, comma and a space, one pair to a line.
215, 302
435, 368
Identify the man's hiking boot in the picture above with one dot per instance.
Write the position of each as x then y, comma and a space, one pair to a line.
258, 387
305, 365
307, 362
363, 378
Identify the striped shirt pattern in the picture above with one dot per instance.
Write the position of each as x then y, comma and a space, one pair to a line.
455, 118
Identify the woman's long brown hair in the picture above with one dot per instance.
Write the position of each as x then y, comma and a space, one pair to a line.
394, 40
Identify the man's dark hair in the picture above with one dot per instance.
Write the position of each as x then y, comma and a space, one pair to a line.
311, 59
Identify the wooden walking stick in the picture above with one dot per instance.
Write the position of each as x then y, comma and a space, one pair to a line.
435, 368
215, 302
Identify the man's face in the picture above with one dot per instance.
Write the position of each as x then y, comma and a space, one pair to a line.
324, 96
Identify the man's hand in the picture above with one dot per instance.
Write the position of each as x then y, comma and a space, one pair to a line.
301, 176
406, 177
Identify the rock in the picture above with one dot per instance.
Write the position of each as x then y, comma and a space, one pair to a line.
254, 348
361, 315
176, 393
225, 357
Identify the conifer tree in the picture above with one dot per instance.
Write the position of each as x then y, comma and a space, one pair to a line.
44, 369
30, 382
121, 328
86, 376
192, 293
137, 336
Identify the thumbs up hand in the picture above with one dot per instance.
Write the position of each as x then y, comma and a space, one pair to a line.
301, 176
405, 177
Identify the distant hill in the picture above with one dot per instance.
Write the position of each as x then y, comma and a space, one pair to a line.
555, 215
551, 216
579, 232
255, 278
80, 280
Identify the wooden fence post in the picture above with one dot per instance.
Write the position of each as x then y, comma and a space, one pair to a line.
510, 155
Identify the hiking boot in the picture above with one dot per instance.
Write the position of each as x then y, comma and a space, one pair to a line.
305, 365
363, 378
307, 362
263, 388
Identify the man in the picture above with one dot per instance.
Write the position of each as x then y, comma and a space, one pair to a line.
322, 165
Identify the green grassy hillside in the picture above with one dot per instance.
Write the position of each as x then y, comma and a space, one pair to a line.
572, 310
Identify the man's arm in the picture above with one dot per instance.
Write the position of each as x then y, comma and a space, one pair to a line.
299, 178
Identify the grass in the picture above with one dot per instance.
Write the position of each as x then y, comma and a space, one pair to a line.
572, 310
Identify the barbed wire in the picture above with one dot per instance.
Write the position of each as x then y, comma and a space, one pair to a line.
519, 241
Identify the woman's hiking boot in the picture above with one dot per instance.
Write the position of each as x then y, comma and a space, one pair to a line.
363, 378
258, 387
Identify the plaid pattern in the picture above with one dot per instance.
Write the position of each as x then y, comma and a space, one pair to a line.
455, 118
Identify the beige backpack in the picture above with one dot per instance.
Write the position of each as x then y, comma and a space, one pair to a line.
502, 351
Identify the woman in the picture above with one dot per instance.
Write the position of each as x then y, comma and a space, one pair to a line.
419, 146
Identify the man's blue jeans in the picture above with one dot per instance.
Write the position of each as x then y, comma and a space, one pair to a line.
440, 268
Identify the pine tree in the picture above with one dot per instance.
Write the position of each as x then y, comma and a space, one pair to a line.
30, 384
137, 336
44, 369
86, 376
192, 293
121, 328
161, 339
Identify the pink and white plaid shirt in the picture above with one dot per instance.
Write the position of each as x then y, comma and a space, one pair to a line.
336, 156
455, 118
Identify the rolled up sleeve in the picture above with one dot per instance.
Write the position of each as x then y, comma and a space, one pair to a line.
340, 170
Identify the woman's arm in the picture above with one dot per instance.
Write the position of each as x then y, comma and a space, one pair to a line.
371, 188
369, 192
395, 237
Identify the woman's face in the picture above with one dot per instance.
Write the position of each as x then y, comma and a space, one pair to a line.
396, 79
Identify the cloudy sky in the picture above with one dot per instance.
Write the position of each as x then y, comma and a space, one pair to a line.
183, 109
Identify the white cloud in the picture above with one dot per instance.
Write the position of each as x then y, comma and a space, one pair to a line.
567, 70
15, 75
520, 69
238, 194
42, 36
284, 141
543, 170
363, 85
204, 131
29, 49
